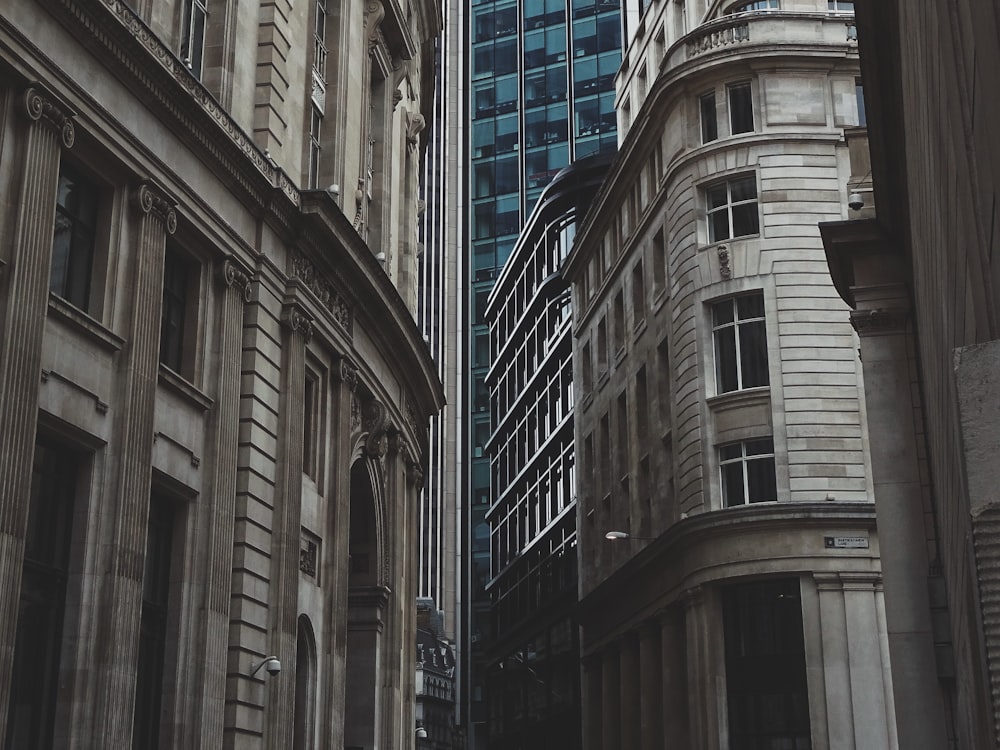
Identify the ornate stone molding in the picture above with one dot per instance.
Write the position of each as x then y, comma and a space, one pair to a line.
346, 373
374, 421
725, 270
397, 97
297, 321
374, 13
324, 290
40, 108
414, 125
415, 473
235, 277
879, 322
151, 200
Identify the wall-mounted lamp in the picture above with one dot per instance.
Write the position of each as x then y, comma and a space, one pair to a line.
271, 663
380, 257
612, 536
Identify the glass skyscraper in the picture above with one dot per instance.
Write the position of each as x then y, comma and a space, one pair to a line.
541, 95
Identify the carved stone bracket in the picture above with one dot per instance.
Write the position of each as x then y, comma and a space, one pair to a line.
41, 108
375, 421
725, 270
879, 322
151, 200
415, 473
236, 277
374, 13
414, 125
397, 97
297, 321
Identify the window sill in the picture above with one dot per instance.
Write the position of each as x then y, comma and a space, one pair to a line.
85, 325
619, 355
587, 400
181, 387
602, 380
639, 328
746, 397
659, 298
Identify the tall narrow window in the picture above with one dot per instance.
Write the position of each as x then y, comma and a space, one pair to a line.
319, 40
659, 263
41, 610
766, 666
73, 242
740, 334
193, 34
310, 414
709, 120
740, 108
748, 472
638, 294
732, 209
602, 348
176, 279
859, 93
619, 322
315, 144
153, 626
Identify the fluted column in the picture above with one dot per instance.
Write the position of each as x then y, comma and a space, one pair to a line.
285, 534
650, 687
209, 651
611, 699
881, 322
24, 295
127, 500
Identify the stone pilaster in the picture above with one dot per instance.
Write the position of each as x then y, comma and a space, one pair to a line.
285, 533
345, 381
610, 699
629, 686
126, 499
218, 512
24, 295
881, 322
650, 687
675, 696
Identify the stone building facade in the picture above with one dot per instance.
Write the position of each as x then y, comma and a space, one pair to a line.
918, 266
214, 395
730, 580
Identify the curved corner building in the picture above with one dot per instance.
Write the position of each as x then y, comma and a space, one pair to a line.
532, 676
720, 423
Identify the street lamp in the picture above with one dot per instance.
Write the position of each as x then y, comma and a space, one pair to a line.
613, 536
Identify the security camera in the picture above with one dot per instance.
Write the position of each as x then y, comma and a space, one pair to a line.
855, 201
271, 664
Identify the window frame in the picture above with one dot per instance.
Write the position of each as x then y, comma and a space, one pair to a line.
744, 460
708, 117
745, 111
756, 325
194, 12
183, 361
81, 253
748, 178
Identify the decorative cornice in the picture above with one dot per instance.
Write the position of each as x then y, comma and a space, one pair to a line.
152, 200
40, 108
324, 289
297, 321
879, 322
235, 277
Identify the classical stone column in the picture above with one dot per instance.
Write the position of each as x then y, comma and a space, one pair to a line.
24, 295
675, 697
611, 699
126, 496
629, 686
881, 322
285, 532
650, 687
208, 671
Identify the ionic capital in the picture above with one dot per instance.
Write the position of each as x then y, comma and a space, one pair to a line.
152, 200
41, 108
236, 277
297, 321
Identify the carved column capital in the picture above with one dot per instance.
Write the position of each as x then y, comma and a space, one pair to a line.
38, 106
236, 277
879, 322
297, 321
151, 200
346, 373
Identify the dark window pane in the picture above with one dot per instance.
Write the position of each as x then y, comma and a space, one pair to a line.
709, 125
725, 360
718, 226
764, 446
175, 292
753, 354
745, 221
73, 238
750, 306
722, 312
743, 189
760, 480
732, 484
717, 196
740, 108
